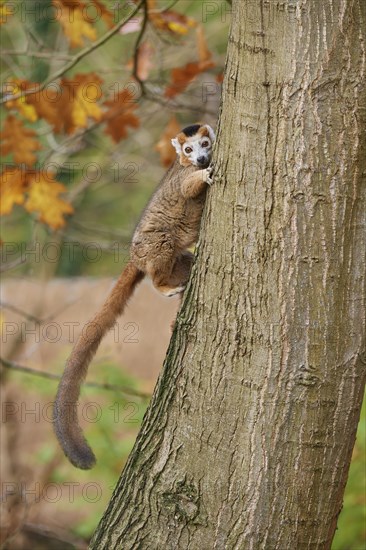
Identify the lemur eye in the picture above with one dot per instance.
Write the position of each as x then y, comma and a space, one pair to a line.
205, 143
188, 150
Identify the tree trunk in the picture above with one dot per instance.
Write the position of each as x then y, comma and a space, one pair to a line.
248, 438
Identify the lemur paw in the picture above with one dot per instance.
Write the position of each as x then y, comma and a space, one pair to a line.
209, 179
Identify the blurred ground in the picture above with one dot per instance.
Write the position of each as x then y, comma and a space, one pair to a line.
35, 475
138, 342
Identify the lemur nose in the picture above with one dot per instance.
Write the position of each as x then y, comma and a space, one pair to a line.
201, 160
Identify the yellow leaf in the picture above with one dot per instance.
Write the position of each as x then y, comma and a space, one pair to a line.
19, 141
5, 12
69, 107
177, 27
28, 111
169, 20
12, 189
44, 199
74, 21
85, 105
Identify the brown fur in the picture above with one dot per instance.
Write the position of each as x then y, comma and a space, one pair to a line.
169, 224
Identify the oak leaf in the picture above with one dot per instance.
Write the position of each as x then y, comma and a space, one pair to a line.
12, 189
119, 115
82, 92
164, 145
182, 76
44, 199
19, 141
5, 12
106, 14
14, 87
75, 21
71, 105
169, 20
144, 60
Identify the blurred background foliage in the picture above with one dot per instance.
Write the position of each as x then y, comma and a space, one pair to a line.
106, 181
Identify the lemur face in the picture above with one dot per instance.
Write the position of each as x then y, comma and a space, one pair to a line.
194, 145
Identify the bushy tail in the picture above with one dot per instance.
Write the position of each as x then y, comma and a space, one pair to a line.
66, 424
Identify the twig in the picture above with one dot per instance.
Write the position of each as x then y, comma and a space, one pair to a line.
76, 59
33, 318
169, 7
50, 376
11, 265
137, 46
48, 55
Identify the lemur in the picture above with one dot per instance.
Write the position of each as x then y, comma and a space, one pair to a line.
168, 226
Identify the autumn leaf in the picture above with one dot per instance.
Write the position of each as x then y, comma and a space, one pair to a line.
19, 141
5, 12
71, 105
12, 189
75, 22
120, 115
82, 92
164, 145
169, 20
144, 60
44, 199
182, 76
106, 15
204, 53
15, 86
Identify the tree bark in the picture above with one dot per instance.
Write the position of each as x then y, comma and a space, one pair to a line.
248, 438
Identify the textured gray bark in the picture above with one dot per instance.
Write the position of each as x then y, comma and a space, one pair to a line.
248, 439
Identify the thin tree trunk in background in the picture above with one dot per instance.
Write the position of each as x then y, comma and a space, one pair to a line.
249, 435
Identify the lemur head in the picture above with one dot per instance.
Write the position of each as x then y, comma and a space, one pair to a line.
194, 145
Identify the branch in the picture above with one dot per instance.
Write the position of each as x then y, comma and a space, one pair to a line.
137, 46
76, 59
47, 55
31, 317
11, 265
50, 376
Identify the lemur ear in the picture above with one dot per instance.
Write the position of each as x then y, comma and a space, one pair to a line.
177, 146
211, 133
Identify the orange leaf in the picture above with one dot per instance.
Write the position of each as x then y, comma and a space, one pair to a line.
14, 86
169, 20
52, 106
44, 199
144, 60
82, 91
182, 76
164, 146
12, 189
19, 141
71, 105
107, 15
119, 115
75, 21
204, 53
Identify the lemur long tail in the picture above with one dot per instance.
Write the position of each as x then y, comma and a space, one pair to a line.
66, 425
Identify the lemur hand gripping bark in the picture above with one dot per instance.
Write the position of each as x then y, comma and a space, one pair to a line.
168, 226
